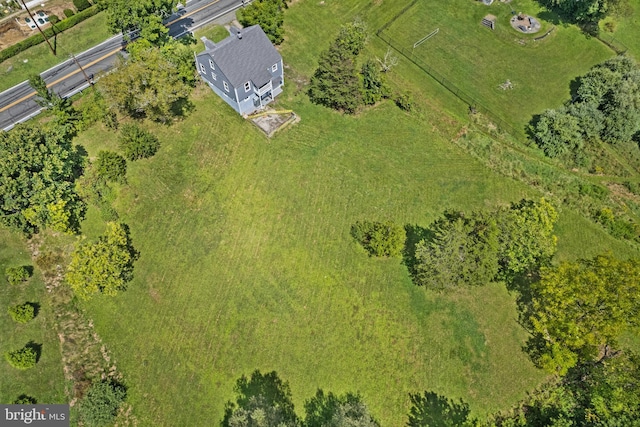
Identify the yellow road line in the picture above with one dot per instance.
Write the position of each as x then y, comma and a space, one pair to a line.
24, 98
191, 13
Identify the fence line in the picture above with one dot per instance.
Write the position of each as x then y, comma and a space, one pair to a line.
473, 104
398, 15
616, 45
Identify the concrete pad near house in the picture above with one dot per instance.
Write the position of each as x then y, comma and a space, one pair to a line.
272, 121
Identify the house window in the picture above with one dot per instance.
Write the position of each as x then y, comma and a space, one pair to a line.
214, 76
247, 86
211, 64
202, 69
274, 68
226, 86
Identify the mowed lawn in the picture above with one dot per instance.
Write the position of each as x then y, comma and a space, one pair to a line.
45, 381
478, 60
247, 263
626, 28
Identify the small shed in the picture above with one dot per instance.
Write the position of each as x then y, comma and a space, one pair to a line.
489, 21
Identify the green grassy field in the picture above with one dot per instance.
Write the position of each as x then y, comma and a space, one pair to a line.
39, 58
478, 60
215, 33
246, 259
626, 27
45, 382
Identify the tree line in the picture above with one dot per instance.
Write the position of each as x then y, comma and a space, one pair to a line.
575, 312
605, 107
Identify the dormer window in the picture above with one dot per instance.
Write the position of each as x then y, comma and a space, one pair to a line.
211, 64
247, 86
203, 70
274, 68
226, 86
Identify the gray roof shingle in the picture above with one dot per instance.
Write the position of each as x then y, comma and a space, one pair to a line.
246, 59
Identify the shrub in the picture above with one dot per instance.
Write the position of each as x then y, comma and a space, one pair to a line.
17, 275
379, 238
22, 313
100, 405
81, 4
54, 19
25, 399
110, 120
633, 187
68, 13
623, 229
404, 101
111, 166
24, 358
136, 143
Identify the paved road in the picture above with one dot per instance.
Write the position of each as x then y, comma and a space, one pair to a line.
18, 103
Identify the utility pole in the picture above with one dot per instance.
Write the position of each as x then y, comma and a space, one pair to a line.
39, 29
90, 81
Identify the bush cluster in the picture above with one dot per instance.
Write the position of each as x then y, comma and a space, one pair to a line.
383, 239
68, 13
136, 143
100, 405
23, 358
604, 109
17, 275
22, 313
404, 101
111, 166
81, 4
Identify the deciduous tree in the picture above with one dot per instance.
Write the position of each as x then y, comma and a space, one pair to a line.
145, 15
329, 410
269, 14
104, 266
148, 85
261, 400
37, 174
579, 309
557, 133
526, 239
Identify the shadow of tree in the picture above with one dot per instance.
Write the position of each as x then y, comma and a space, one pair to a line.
181, 108
266, 393
36, 308
415, 234
574, 85
25, 399
433, 410
530, 128
37, 348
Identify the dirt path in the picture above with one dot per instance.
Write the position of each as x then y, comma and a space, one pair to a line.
84, 357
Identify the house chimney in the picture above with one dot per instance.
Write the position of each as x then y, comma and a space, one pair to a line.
239, 34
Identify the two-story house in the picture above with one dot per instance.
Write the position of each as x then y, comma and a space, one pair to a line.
244, 69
